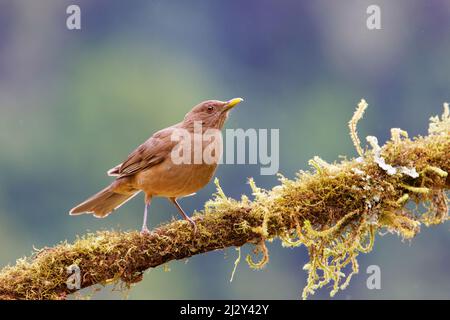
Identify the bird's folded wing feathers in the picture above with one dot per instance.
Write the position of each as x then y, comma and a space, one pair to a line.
114, 172
148, 154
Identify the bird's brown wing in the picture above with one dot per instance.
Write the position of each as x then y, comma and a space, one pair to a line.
148, 154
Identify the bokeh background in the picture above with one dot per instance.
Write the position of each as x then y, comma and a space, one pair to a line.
75, 103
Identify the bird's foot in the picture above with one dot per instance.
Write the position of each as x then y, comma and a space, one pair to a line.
145, 231
193, 224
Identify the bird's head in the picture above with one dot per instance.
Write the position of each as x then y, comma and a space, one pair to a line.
211, 113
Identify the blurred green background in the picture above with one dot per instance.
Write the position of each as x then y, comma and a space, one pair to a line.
75, 103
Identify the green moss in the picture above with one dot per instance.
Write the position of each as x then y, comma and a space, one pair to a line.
335, 211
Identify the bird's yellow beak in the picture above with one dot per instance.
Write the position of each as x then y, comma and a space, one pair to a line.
232, 103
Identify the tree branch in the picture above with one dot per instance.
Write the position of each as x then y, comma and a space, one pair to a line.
335, 211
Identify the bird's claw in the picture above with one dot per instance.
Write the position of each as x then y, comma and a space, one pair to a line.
145, 231
193, 224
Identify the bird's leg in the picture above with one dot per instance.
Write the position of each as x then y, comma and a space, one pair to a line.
144, 229
185, 216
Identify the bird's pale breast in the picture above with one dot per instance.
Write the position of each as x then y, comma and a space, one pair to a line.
169, 179
174, 180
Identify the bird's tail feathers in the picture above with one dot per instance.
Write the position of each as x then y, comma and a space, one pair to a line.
102, 203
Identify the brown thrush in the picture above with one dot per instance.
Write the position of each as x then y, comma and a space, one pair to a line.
151, 167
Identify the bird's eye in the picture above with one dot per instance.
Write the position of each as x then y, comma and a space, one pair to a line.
210, 108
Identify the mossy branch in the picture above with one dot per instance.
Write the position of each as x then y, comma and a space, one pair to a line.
336, 212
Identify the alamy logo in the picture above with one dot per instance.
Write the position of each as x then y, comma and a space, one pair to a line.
73, 21
74, 280
374, 280
249, 146
373, 21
